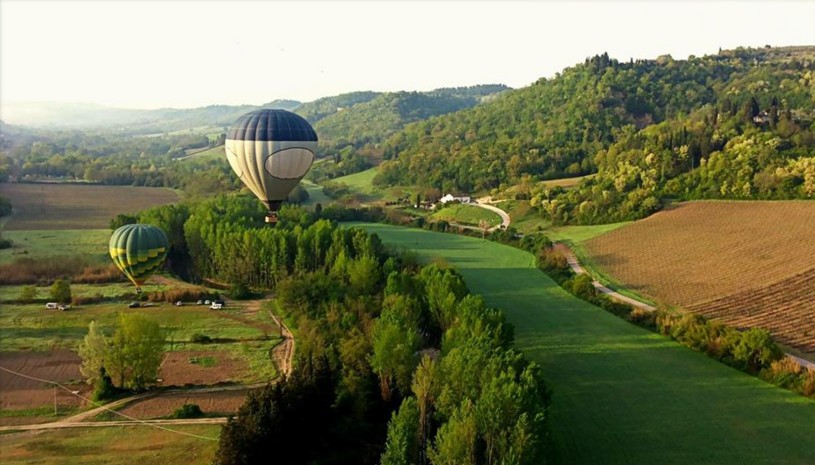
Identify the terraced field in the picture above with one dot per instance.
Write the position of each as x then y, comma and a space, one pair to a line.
746, 263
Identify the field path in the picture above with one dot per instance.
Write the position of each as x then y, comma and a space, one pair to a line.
622, 394
505, 220
574, 264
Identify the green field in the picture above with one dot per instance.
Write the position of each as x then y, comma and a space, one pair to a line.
114, 445
623, 395
467, 214
315, 194
90, 243
32, 327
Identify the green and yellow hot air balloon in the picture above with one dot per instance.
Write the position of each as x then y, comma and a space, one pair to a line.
138, 250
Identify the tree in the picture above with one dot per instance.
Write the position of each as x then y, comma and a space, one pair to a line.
28, 294
61, 291
401, 445
93, 350
136, 350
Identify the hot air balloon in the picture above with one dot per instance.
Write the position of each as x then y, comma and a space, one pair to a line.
138, 250
271, 151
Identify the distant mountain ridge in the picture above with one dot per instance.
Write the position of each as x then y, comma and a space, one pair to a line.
136, 121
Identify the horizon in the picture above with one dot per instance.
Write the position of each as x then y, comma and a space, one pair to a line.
180, 63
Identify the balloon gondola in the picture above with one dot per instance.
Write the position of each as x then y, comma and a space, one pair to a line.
271, 151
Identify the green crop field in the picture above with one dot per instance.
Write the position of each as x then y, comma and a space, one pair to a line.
114, 445
467, 214
623, 395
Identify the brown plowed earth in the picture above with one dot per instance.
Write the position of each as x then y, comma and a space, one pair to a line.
748, 263
786, 309
62, 366
178, 369
164, 404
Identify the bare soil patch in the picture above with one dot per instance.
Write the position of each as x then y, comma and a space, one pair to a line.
162, 405
77, 206
201, 367
61, 366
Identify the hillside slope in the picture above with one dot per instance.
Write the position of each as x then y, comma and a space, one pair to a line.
745, 263
610, 116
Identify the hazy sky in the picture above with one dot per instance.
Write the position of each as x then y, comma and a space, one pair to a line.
149, 54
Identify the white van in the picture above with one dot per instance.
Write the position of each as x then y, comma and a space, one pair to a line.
51, 305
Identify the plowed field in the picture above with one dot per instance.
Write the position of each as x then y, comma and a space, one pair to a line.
749, 264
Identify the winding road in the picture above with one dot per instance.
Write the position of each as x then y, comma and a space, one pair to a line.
574, 264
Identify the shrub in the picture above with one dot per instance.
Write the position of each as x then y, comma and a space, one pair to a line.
104, 388
186, 294
188, 411
200, 338
239, 291
28, 294
61, 291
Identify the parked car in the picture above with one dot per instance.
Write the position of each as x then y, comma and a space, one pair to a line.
134, 305
179, 303
51, 305
216, 305
200, 302
206, 302
64, 307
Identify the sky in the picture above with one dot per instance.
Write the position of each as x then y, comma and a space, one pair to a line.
152, 54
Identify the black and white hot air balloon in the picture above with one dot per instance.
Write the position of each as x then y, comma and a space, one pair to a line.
271, 151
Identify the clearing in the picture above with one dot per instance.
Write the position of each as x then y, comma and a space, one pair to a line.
621, 394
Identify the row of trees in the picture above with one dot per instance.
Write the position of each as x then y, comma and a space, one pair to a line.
395, 363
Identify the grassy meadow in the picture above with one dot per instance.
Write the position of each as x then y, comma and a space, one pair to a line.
117, 445
92, 244
620, 394
33, 327
466, 214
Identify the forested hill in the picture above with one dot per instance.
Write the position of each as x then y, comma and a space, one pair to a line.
563, 126
370, 121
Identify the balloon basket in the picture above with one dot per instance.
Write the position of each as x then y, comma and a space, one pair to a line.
271, 218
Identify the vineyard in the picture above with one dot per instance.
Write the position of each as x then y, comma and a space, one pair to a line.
747, 263
786, 308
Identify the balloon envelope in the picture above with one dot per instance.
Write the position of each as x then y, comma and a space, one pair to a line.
138, 250
271, 151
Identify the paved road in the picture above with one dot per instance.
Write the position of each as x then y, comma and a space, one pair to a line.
504, 216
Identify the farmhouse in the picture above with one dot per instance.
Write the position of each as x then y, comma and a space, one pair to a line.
452, 198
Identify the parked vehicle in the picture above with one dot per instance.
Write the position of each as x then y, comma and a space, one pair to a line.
216, 305
134, 305
179, 303
51, 305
